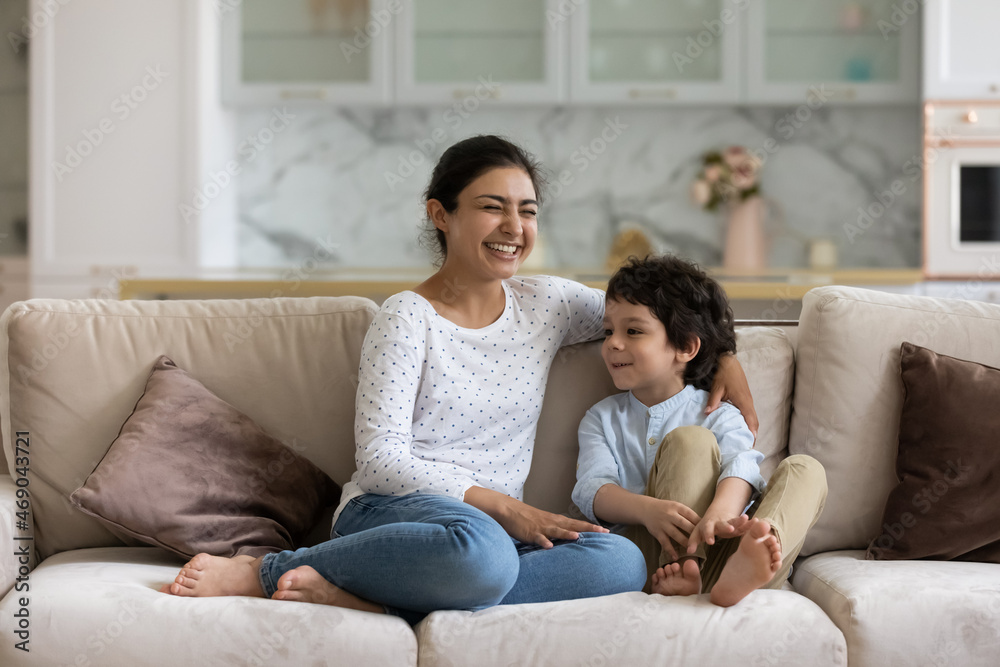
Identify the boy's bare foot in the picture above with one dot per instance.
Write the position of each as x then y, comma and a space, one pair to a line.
756, 560
214, 576
677, 579
304, 584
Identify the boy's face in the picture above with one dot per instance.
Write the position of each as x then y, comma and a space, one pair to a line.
639, 355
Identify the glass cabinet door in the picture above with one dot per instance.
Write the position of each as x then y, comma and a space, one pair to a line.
656, 51
847, 50
507, 51
322, 50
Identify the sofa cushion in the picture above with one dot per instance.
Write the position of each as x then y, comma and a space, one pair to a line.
72, 371
772, 628
947, 503
191, 473
102, 607
848, 393
579, 379
901, 613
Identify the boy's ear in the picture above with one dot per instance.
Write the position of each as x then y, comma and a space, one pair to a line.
689, 351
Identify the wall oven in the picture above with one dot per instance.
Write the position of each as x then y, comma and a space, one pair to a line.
962, 190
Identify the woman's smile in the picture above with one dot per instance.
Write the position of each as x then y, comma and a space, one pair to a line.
504, 250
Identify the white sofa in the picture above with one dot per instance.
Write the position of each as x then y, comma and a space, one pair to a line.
71, 371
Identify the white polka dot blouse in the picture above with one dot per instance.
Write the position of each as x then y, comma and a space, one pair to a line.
441, 408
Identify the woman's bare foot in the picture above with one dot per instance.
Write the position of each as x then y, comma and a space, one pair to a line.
214, 576
677, 579
756, 560
304, 584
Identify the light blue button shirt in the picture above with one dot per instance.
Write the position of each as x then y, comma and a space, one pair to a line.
619, 438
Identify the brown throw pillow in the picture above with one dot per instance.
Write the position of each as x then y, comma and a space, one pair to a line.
947, 503
190, 473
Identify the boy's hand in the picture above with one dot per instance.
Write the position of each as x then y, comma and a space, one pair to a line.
666, 520
712, 526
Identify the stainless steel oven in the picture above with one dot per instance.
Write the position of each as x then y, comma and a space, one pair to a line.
962, 189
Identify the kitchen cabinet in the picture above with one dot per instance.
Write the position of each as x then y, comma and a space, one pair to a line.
480, 50
836, 50
306, 50
445, 52
656, 51
961, 50
129, 149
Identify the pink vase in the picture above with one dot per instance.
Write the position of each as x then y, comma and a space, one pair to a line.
746, 245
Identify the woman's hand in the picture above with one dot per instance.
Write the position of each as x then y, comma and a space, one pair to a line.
731, 385
669, 520
526, 523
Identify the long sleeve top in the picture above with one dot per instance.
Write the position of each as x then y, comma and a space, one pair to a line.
619, 438
441, 408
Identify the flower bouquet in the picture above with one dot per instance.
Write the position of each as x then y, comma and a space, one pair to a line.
726, 177
730, 178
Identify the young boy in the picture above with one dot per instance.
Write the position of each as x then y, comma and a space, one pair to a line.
675, 479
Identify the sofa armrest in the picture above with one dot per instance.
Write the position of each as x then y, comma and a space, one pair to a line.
11, 563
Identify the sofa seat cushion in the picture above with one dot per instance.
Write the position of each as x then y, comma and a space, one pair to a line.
907, 612
102, 606
767, 628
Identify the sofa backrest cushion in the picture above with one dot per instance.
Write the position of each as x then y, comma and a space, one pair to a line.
72, 371
849, 396
578, 380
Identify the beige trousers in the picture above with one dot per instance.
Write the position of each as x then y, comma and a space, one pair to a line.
686, 470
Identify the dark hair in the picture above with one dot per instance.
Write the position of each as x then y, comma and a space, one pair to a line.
687, 301
463, 163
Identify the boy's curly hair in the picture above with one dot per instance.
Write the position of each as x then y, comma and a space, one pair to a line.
687, 301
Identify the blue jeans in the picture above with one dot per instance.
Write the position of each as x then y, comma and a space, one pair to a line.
419, 553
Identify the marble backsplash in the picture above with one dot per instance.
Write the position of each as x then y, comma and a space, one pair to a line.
357, 177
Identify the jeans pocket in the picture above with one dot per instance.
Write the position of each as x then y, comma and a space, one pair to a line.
352, 518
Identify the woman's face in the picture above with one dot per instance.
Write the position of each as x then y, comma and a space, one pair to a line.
494, 226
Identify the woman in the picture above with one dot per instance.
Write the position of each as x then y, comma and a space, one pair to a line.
450, 388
